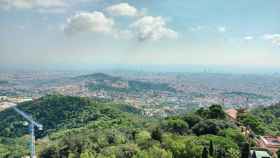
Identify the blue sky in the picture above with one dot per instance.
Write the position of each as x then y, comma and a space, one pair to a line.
197, 32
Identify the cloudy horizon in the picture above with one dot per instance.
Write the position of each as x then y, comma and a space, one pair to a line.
65, 32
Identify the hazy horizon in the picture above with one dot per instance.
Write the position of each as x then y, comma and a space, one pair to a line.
173, 68
47, 33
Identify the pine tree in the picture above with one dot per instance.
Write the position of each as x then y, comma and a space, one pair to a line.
205, 153
245, 151
157, 134
211, 148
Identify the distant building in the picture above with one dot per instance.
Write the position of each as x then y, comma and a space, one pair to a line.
120, 84
271, 143
232, 114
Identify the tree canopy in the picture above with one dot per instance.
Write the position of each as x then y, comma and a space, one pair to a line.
86, 128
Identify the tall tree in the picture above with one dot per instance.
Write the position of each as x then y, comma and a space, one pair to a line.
157, 134
216, 112
245, 151
211, 148
205, 153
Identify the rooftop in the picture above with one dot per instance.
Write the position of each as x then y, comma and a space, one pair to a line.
270, 140
232, 113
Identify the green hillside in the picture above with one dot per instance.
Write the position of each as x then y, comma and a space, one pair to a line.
82, 128
133, 86
244, 94
97, 76
104, 82
263, 120
59, 112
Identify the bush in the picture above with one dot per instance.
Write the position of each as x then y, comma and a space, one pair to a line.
192, 119
206, 127
142, 137
176, 126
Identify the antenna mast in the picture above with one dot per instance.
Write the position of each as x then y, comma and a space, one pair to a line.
32, 124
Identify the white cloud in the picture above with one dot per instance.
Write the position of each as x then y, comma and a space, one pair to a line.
248, 38
122, 9
50, 3
28, 4
222, 29
43, 6
89, 22
144, 28
152, 28
6, 4
22, 3
273, 38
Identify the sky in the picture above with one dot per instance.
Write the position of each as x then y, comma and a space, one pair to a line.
161, 32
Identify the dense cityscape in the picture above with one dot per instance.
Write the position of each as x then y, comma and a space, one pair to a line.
139, 79
168, 93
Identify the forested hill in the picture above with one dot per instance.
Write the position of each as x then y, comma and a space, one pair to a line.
188, 136
58, 112
82, 128
263, 120
2, 82
97, 76
107, 82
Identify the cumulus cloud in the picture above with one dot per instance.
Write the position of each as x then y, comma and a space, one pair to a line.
273, 38
153, 29
7, 4
43, 6
122, 9
27, 4
89, 22
142, 28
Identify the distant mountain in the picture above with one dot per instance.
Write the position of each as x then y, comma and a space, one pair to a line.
3, 82
118, 84
245, 94
97, 76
